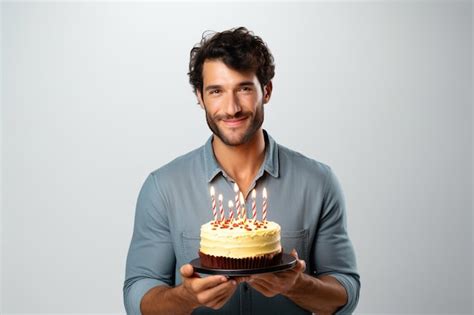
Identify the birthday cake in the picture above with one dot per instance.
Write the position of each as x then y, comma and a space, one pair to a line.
240, 244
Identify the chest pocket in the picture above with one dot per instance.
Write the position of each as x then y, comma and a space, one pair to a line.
190, 246
297, 240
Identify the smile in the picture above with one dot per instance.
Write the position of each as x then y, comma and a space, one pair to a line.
234, 122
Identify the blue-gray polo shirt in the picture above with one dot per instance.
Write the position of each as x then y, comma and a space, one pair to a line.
304, 197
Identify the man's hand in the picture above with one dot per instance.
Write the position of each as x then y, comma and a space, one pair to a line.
271, 284
212, 291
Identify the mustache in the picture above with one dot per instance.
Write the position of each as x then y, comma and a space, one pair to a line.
238, 115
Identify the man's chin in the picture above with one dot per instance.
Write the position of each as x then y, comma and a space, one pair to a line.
232, 138
231, 141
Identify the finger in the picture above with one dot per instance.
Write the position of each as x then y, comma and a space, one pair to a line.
274, 276
262, 279
261, 288
294, 253
300, 266
210, 299
276, 281
187, 270
221, 300
218, 302
224, 300
209, 295
226, 293
264, 282
207, 283
241, 279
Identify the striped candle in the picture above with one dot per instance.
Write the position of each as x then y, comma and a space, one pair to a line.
213, 202
237, 200
231, 210
264, 206
221, 207
254, 206
242, 204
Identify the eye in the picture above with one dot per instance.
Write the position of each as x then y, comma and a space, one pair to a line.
215, 92
246, 89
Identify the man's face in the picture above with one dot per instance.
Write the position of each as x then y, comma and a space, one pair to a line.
233, 102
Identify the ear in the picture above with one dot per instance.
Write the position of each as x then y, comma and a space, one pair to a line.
199, 98
267, 92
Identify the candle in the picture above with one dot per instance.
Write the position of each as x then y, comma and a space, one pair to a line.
264, 206
213, 192
242, 204
254, 206
231, 210
237, 200
221, 207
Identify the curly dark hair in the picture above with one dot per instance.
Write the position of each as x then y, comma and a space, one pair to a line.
238, 48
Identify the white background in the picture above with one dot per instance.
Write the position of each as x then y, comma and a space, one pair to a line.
95, 96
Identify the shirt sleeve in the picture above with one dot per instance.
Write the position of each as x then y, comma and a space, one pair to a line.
151, 258
334, 254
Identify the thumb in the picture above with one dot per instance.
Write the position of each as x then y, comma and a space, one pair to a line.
300, 266
187, 270
294, 253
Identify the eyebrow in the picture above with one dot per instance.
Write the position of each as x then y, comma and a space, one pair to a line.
216, 86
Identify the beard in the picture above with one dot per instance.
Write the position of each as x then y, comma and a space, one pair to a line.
232, 138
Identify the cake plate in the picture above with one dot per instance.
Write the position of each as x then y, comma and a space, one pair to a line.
287, 262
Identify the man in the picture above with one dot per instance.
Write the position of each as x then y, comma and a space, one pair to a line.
231, 74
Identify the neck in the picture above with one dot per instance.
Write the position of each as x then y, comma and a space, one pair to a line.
241, 162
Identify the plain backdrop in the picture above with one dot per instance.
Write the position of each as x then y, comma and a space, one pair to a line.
95, 96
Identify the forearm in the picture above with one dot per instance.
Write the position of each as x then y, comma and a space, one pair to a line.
322, 295
166, 300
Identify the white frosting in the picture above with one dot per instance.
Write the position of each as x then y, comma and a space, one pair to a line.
224, 239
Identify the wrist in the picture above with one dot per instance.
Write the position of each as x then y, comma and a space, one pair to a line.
185, 299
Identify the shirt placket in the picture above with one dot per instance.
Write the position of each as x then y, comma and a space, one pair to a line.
245, 299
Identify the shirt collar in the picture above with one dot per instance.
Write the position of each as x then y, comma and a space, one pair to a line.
270, 164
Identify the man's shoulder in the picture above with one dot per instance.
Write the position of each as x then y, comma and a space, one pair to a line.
302, 163
181, 165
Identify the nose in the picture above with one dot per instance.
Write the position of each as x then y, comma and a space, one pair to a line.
232, 104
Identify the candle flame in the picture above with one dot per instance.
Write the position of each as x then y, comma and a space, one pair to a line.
254, 194
230, 204
242, 201
213, 192
265, 193
220, 197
